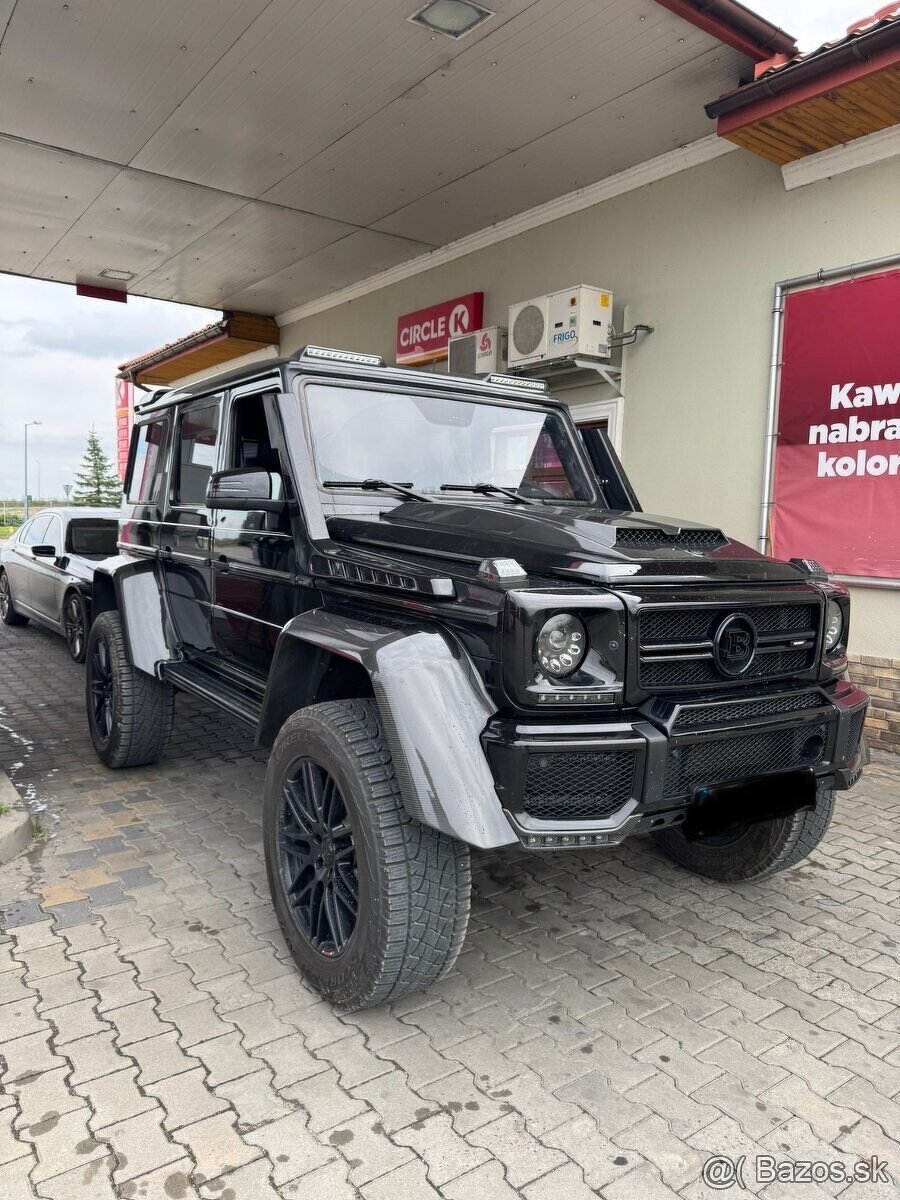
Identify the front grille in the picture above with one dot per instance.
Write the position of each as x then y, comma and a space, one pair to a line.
745, 710
725, 760
854, 732
578, 785
685, 539
676, 644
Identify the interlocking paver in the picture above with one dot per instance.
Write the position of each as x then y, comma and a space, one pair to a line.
610, 1023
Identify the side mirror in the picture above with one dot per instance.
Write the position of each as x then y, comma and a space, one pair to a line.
44, 551
260, 491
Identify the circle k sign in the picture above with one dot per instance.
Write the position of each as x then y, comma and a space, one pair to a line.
422, 336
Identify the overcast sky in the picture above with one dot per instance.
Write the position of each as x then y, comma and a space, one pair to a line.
59, 353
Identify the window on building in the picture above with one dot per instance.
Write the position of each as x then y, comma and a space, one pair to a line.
197, 434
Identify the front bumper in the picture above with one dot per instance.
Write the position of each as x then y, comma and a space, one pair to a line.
595, 783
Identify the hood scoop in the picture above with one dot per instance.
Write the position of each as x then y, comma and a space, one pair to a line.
635, 538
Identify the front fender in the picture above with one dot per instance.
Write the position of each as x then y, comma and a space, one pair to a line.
433, 707
134, 588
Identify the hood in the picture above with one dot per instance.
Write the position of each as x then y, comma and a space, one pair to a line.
591, 543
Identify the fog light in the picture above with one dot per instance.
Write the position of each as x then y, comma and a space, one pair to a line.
813, 749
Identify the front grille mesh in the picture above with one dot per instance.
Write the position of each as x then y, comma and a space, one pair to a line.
699, 671
854, 733
669, 638
578, 785
725, 760
771, 706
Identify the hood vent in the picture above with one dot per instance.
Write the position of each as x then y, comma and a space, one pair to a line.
659, 539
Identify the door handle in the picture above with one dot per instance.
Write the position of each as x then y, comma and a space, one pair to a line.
166, 551
222, 563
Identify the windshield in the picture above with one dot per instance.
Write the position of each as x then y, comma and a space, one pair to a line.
430, 441
93, 537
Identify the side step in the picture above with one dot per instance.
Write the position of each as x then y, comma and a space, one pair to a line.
240, 702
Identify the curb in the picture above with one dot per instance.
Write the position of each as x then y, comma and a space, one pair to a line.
15, 825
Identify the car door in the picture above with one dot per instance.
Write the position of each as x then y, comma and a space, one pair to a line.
185, 532
254, 559
21, 563
47, 581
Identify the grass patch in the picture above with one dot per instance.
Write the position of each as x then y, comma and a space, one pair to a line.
4, 809
38, 832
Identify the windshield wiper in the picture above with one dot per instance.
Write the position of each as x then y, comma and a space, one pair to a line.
486, 489
378, 485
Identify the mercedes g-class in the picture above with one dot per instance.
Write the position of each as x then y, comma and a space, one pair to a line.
443, 610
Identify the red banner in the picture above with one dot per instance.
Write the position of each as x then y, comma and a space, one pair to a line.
837, 464
423, 336
124, 417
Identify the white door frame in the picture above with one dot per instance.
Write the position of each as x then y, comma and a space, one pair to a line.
611, 411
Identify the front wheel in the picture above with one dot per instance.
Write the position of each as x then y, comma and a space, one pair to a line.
373, 905
75, 624
129, 712
8, 614
752, 852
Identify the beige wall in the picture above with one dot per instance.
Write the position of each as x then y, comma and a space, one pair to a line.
696, 256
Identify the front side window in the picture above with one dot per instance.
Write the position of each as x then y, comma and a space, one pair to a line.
430, 441
145, 477
34, 534
198, 431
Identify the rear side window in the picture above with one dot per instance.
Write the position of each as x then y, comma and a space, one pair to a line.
197, 434
93, 537
147, 463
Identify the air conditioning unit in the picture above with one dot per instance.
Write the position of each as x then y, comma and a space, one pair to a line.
528, 331
480, 353
575, 321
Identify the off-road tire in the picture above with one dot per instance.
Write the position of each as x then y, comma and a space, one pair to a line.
10, 616
762, 850
414, 882
141, 708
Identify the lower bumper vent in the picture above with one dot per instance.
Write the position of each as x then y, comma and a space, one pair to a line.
724, 760
578, 786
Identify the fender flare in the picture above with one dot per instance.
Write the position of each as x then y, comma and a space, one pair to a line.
133, 588
416, 675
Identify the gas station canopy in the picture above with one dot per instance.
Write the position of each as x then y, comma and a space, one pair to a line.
254, 155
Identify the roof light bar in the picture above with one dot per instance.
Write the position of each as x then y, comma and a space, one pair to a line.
531, 385
351, 356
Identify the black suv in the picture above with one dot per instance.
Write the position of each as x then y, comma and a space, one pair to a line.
446, 614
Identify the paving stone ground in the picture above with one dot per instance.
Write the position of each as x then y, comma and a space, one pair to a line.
611, 1023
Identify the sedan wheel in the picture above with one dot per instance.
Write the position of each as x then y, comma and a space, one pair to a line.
8, 614
75, 619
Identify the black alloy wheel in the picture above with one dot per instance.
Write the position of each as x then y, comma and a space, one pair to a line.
75, 624
102, 688
317, 858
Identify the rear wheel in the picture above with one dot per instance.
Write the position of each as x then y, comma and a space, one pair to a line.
751, 852
372, 904
8, 614
75, 625
129, 712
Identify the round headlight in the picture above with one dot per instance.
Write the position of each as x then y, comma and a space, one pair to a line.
561, 645
834, 624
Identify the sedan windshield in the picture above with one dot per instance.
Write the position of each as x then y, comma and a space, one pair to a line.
426, 442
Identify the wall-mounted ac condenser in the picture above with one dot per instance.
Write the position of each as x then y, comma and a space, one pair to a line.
574, 321
480, 353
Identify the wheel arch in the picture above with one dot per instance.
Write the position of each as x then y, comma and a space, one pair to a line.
411, 673
134, 589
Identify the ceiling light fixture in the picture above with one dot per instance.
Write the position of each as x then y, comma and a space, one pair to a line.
453, 18
115, 273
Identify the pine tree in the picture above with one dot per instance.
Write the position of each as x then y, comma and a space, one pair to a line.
96, 485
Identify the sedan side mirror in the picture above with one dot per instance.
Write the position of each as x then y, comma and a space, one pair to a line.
260, 491
44, 551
